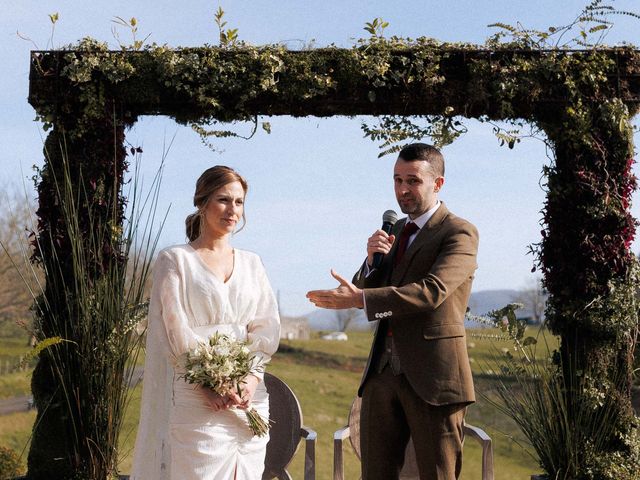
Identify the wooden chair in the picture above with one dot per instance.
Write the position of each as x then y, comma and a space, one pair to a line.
410, 469
286, 431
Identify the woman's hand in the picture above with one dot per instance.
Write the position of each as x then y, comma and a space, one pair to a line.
247, 391
216, 401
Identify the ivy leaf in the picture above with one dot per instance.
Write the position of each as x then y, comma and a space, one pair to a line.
54, 17
266, 126
376, 28
232, 35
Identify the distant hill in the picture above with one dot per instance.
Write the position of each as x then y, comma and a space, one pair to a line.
479, 304
484, 301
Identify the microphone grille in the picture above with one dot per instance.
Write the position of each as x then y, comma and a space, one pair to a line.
390, 217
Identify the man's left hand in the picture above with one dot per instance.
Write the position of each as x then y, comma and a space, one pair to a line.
346, 295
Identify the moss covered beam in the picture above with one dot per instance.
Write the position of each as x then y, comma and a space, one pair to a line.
227, 84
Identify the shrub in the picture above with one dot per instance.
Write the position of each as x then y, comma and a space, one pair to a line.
10, 465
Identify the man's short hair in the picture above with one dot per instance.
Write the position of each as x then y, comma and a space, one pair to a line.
424, 152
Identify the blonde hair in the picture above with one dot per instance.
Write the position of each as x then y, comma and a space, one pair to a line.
212, 179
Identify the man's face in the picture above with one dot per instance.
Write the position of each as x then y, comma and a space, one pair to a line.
416, 186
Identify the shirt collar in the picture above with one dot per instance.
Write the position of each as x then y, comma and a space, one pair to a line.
422, 220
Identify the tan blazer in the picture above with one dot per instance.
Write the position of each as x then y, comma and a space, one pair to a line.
425, 298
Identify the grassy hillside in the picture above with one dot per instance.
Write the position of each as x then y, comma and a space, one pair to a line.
14, 381
325, 375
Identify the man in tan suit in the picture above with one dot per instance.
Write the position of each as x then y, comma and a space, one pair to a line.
417, 382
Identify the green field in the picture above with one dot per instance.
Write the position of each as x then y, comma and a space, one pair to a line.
14, 380
325, 375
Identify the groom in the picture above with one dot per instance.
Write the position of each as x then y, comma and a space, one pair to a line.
417, 382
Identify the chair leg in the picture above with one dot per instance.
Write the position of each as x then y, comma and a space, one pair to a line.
338, 458
338, 461
487, 450
310, 437
487, 460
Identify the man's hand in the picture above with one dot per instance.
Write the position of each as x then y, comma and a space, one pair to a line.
379, 242
347, 295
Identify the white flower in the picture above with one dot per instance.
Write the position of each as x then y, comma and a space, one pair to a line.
221, 350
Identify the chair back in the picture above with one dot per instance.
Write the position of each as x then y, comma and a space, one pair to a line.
284, 436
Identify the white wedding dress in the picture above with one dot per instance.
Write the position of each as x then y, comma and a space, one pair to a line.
179, 436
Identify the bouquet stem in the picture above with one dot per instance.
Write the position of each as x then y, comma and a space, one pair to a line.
256, 423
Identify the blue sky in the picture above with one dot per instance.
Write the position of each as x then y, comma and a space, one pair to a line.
317, 188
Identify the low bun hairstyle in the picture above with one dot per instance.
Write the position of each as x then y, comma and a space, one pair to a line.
211, 180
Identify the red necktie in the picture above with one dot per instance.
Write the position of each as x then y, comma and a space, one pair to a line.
409, 229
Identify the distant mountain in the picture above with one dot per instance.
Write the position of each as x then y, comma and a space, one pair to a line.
479, 304
484, 301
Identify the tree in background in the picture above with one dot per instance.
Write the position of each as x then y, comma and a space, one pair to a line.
345, 317
534, 298
17, 276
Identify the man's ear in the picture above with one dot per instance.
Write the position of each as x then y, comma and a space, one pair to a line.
439, 183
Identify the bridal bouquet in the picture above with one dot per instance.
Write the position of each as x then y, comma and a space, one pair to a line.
222, 364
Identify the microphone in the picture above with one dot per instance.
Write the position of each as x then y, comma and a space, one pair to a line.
389, 218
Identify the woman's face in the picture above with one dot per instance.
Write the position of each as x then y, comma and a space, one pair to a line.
224, 209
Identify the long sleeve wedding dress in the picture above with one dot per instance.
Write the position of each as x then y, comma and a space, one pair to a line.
179, 436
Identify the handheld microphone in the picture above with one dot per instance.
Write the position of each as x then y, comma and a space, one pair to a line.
389, 218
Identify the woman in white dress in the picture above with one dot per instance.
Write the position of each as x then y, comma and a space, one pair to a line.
206, 286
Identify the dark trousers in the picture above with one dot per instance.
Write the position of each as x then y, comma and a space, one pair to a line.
391, 413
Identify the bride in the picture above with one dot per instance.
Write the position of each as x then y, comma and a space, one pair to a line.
203, 287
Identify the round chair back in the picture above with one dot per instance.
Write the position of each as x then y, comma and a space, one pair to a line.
284, 435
